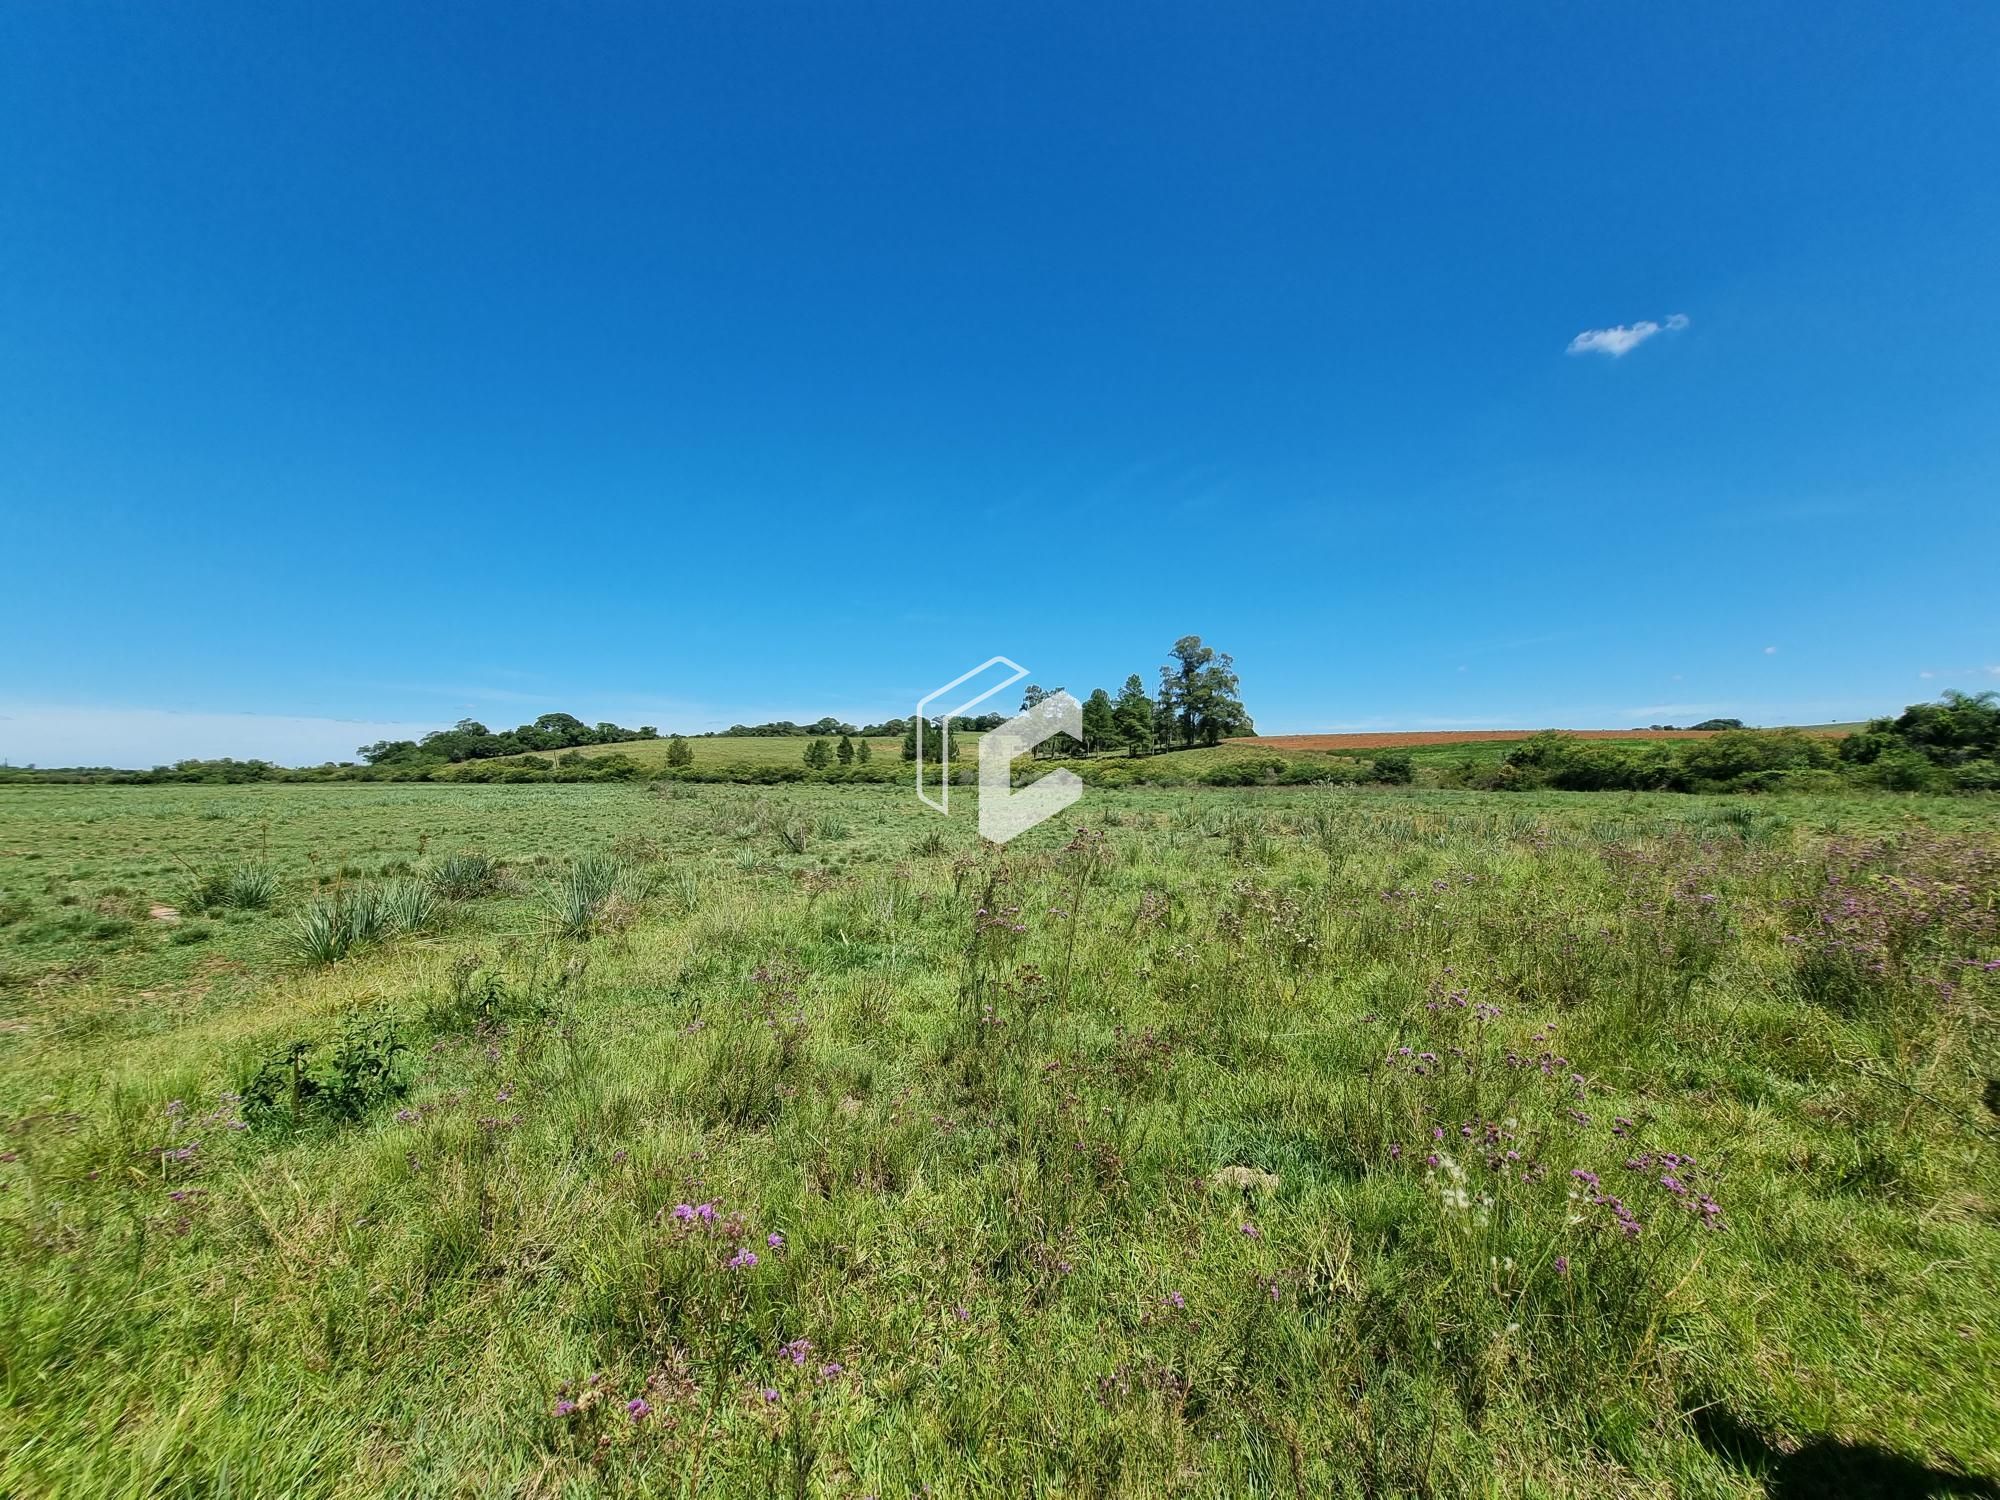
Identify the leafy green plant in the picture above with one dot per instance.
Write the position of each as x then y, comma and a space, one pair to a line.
360, 1072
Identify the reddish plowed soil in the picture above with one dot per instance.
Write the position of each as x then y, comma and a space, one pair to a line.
1391, 740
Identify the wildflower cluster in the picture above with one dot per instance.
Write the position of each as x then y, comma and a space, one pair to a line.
1882, 907
592, 1411
180, 1155
709, 1220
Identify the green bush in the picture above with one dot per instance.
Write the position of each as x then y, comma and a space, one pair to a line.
1735, 754
360, 1073
1258, 770
1393, 767
1977, 776
1902, 769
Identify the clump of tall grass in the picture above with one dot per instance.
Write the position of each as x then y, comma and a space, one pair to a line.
409, 906
589, 897
247, 886
687, 891
352, 917
465, 876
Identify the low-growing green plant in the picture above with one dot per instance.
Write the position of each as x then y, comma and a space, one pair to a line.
359, 1072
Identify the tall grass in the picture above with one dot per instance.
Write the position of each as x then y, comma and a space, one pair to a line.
243, 886
1269, 1143
592, 895
351, 918
465, 876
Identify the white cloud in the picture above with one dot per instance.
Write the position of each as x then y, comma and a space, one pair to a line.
1770, 650
1624, 338
1959, 674
1654, 712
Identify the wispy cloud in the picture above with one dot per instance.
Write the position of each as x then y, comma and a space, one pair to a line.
1623, 339
63, 735
1654, 712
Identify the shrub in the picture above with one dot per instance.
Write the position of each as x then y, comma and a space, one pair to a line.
359, 1074
1393, 767
1977, 776
1739, 754
1254, 770
1900, 769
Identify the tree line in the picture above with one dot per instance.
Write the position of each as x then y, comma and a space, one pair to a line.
1199, 702
469, 739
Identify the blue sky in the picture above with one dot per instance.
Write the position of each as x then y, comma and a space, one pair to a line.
372, 365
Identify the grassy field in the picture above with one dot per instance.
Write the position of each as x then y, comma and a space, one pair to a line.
726, 1141
738, 750
754, 751
1472, 750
